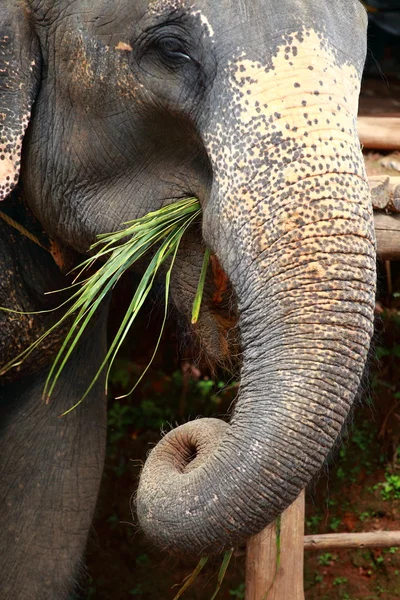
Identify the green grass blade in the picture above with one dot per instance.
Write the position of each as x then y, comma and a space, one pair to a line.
100, 288
166, 249
166, 300
192, 577
200, 288
222, 572
169, 245
136, 303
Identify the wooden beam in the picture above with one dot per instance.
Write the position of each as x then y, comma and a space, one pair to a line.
374, 539
265, 580
387, 231
381, 133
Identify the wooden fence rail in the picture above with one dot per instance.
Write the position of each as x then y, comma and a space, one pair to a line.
381, 133
275, 571
372, 539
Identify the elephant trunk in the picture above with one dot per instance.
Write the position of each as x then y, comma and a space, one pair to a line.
209, 485
295, 236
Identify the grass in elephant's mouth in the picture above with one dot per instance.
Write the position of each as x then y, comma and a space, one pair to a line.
163, 228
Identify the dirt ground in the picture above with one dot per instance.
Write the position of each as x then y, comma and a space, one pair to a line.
358, 491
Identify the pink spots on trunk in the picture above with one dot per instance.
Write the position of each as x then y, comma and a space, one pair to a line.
9, 172
12, 131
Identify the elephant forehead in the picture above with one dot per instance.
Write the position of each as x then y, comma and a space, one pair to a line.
303, 68
284, 147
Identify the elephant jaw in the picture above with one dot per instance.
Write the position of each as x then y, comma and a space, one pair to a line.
296, 239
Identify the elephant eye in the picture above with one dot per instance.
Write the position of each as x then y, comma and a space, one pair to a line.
173, 49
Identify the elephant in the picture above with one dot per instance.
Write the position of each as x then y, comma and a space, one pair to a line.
111, 110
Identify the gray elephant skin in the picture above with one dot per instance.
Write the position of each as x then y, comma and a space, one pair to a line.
109, 110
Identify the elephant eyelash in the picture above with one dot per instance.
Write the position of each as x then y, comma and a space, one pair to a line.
173, 48
172, 32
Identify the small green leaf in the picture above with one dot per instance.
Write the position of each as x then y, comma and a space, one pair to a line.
200, 287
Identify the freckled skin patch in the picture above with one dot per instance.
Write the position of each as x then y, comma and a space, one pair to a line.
124, 46
14, 112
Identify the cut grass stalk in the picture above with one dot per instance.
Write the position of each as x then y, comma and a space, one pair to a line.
170, 245
188, 581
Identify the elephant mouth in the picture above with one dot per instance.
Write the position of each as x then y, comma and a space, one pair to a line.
216, 334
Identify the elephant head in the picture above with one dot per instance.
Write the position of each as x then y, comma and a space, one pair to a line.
250, 106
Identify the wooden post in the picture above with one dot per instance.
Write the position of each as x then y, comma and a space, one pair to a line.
261, 558
264, 581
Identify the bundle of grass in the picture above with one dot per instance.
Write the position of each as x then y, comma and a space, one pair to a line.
116, 253
112, 255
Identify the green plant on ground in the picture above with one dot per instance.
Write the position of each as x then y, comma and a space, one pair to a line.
365, 515
137, 590
340, 581
390, 488
313, 523
142, 559
326, 559
335, 523
238, 592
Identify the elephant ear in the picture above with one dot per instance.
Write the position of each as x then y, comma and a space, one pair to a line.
19, 83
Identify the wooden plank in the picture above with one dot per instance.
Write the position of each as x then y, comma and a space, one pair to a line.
373, 539
381, 133
387, 231
290, 575
264, 581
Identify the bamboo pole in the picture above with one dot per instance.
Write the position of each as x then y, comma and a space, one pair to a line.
373, 539
273, 577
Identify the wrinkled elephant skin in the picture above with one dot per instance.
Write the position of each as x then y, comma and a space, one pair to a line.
110, 110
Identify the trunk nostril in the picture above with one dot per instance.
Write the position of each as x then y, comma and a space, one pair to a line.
186, 452
189, 446
190, 457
